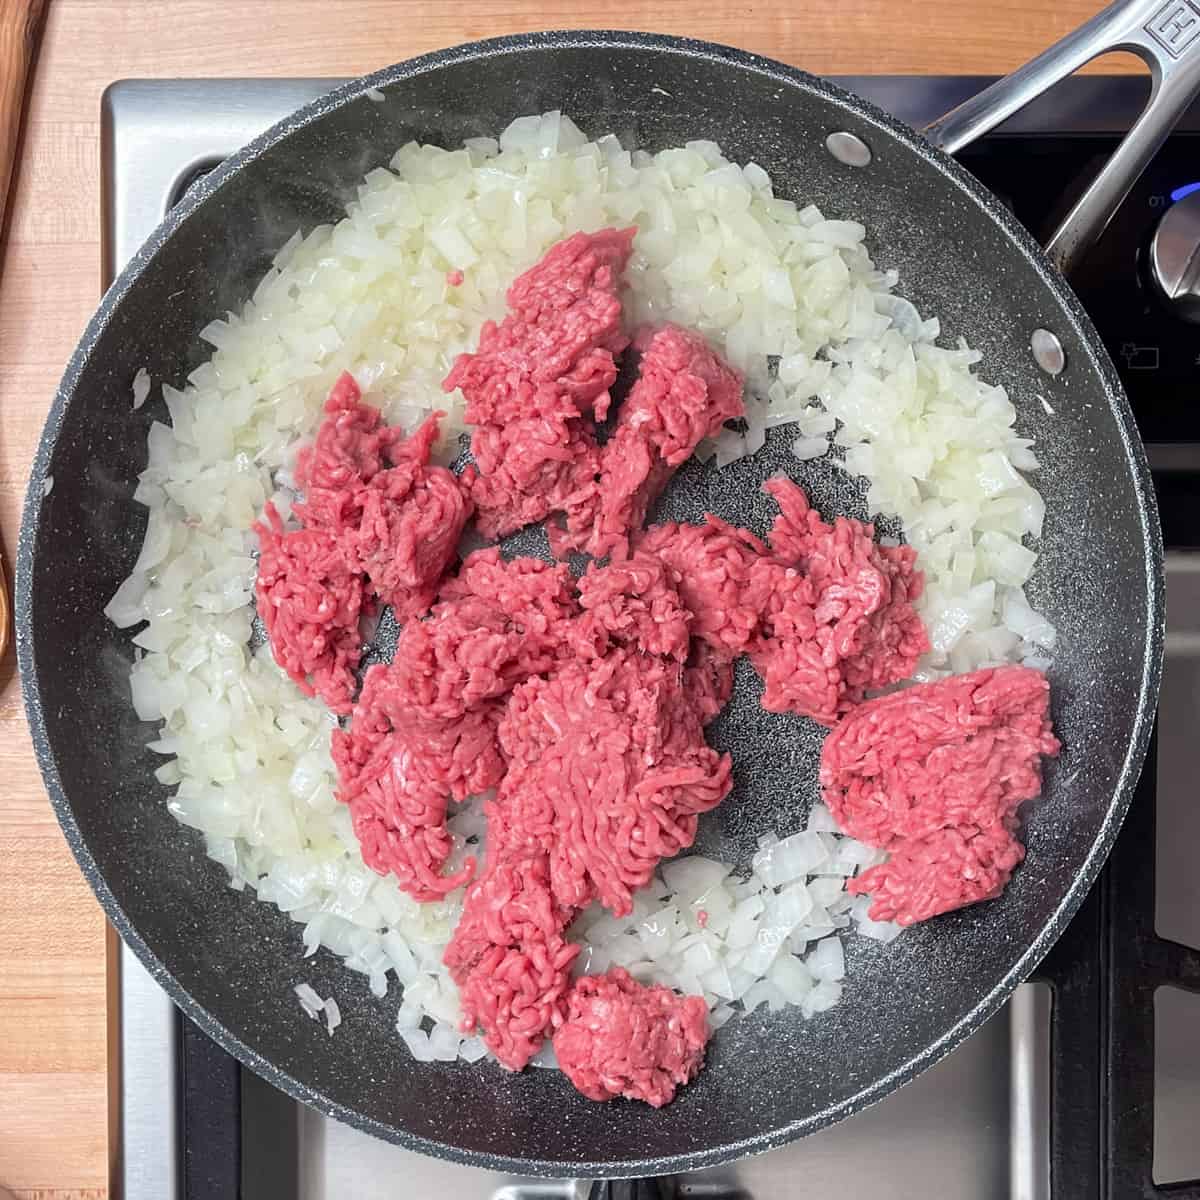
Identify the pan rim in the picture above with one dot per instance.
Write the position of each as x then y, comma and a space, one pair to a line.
1072, 311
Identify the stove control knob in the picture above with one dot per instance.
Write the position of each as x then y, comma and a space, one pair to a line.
1175, 257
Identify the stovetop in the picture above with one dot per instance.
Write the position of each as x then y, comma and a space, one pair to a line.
1088, 1082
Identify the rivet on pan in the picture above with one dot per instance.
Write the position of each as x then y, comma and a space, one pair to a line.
848, 148
1048, 352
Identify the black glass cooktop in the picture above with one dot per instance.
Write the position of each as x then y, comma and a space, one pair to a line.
1156, 352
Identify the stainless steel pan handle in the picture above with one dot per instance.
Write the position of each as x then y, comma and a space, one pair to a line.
1165, 34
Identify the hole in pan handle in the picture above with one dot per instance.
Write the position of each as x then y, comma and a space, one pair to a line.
1165, 34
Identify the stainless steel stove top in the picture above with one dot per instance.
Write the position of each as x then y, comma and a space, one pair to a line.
972, 1128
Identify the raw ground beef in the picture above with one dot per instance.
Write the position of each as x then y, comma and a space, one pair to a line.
710, 565
847, 627
398, 772
824, 612
636, 604
373, 507
536, 380
935, 775
608, 771
497, 623
684, 393
352, 446
622, 1039
397, 519
310, 601
424, 729
510, 957
539, 381
949, 869
708, 681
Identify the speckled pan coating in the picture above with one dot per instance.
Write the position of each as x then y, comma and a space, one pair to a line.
231, 963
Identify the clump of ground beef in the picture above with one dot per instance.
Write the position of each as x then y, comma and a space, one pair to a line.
310, 600
398, 771
510, 957
825, 613
377, 523
837, 611
424, 729
397, 518
607, 773
635, 604
711, 566
622, 1039
497, 623
683, 394
537, 379
935, 775
540, 379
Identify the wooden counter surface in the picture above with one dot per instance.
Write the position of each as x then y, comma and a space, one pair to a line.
54, 1139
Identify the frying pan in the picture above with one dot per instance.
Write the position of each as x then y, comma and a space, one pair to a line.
230, 964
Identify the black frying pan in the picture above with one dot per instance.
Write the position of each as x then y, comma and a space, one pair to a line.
230, 963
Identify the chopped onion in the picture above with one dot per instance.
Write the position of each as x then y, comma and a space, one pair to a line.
790, 859
444, 1042
418, 1045
693, 876
805, 448
333, 1015
141, 387
792, 977
827, 960
309, 1000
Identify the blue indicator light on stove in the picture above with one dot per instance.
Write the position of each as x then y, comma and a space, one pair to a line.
1187, 189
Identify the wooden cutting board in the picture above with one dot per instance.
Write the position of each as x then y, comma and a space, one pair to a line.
54, 1139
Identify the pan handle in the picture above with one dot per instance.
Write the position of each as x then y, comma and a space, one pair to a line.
1165, 34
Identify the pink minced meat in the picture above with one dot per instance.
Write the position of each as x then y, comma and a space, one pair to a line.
583, 705
622, 1039
537, 379
684, 393
398, 772
950, 869
510, 957
711, 566
825, 613
373, 507
607, 773
424, 730
498, 623
310, 600
351, 447
935, 775
636, 603
838, 616
708, 681
397, 518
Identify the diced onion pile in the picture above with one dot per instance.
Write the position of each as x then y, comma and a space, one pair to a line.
788, 296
